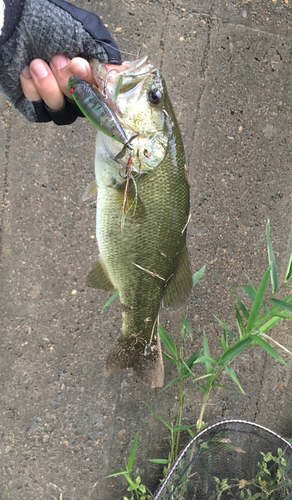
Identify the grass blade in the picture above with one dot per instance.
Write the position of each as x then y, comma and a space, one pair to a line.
163, 461
250, 289
190, 362
225, 327
239, 322
233, 376
110, 300
234, 350
242, 307
118, 473
269, 324
173, 381
167, 341
170, 358
205, 359
272, 260
283, 304
269, 349
158, 416
277, 343
288, 275
258, 301
208, 367
132, 453
186, 329
272, 312
223, 341
198, 275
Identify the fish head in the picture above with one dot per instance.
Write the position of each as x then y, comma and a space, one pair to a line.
140, 99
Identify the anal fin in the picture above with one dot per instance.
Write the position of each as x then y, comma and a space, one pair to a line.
179, 286
98, 276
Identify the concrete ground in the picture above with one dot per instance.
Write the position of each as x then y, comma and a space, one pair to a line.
65, 425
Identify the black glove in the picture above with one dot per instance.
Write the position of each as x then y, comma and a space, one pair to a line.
40, 29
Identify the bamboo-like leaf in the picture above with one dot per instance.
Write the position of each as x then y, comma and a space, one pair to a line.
283, 304
167, 341
233, 376
225, 327
269, 324
110, 300
240, 324
205, 359
201, 387
118, 473
223, 341
186, 329
158, 460
272, 312
288, 274
258, 301
158, 416
269, 349
132, 453
184, 428
170, 358
272, 260
242, 307
173, 381
224, 387
193, 358
283, 315
198, 275
234, 350
250, 289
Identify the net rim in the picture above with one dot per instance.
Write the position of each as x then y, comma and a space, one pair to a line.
204, 431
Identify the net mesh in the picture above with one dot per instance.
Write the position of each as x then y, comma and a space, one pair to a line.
231, 459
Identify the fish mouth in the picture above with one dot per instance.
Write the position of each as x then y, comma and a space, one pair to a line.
112, 83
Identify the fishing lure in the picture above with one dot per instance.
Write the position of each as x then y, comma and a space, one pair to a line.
94, 106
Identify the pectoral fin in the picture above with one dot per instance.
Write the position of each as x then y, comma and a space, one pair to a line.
179, 286
98, 276
90, 191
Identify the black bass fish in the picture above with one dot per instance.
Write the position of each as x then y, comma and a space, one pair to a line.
142, 209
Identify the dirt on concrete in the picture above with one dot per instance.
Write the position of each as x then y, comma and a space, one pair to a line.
65, 425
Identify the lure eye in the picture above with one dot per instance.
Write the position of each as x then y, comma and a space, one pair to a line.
72, 90
154, 96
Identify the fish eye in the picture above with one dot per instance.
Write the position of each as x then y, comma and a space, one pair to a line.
154, 96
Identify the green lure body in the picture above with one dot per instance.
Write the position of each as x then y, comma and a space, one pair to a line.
95, 108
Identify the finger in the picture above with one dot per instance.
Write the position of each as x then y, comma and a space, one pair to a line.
63, 68
28, 87
46, 84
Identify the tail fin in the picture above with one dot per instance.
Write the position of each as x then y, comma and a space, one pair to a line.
146, 360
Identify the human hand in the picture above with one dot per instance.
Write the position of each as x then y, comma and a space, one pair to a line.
47, 85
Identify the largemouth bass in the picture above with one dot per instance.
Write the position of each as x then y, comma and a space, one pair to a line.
142, 213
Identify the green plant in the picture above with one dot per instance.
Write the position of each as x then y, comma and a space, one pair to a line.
264, 485
252, 326
139, 490
252, 322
